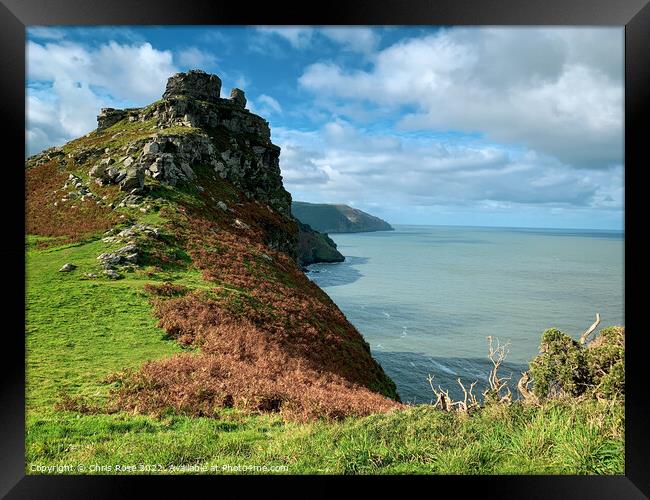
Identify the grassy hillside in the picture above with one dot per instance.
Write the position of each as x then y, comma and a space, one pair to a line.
81, 331
169, 328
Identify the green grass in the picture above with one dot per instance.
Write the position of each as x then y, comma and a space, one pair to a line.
79, 330
420, 440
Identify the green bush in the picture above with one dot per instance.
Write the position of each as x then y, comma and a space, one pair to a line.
565, 368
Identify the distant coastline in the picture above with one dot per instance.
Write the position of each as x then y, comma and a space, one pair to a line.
337, 218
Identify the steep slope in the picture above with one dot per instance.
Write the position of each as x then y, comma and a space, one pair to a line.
337, 218
187, 193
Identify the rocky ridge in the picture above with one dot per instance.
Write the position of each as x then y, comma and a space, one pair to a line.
197, 127
191, 129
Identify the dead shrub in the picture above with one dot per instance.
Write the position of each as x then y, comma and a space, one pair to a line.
69, 221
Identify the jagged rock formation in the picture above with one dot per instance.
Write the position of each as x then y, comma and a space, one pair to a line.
198, 127
189, 129
337, 218
194, 85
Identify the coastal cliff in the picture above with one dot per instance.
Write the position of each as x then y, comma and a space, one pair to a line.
328, 218
184, 199
168, 324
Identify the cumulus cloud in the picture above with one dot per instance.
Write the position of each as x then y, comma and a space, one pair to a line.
340, 162
299, 167
128, 72
552, 90
46, 32
350, 38
81, 79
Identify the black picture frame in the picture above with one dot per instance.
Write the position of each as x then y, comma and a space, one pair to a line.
15, 15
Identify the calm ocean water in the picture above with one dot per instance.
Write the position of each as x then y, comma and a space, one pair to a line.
426, 297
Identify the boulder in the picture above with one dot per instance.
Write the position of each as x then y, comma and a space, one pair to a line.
238, 97
108, 117
150, 148
194, 84
112, 173
240, 224
112, 274
187, 170
131, 258
131, 200
128, 249
109, 259
100, 174
134, 178
67, 268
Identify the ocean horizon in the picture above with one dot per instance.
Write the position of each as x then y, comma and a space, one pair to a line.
426, 297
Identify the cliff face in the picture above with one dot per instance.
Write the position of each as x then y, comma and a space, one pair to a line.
191, 184
337, 218
316, 247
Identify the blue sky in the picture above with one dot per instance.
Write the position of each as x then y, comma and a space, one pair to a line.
491, 126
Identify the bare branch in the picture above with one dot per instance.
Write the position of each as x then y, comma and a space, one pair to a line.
522, 386
443, 401
446, 403
497, 355
590, 330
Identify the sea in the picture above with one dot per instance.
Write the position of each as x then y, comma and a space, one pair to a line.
426, 298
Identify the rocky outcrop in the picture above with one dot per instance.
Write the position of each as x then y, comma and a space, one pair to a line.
337, 218
316, 247
188, 139
238, 97
195, 84
109, 116
196, 128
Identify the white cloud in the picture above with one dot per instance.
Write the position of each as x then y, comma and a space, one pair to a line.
545, 89
195, 58
268, 105
343, 163
84, 79
298, 37
353, 38
45, 32
129, 72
